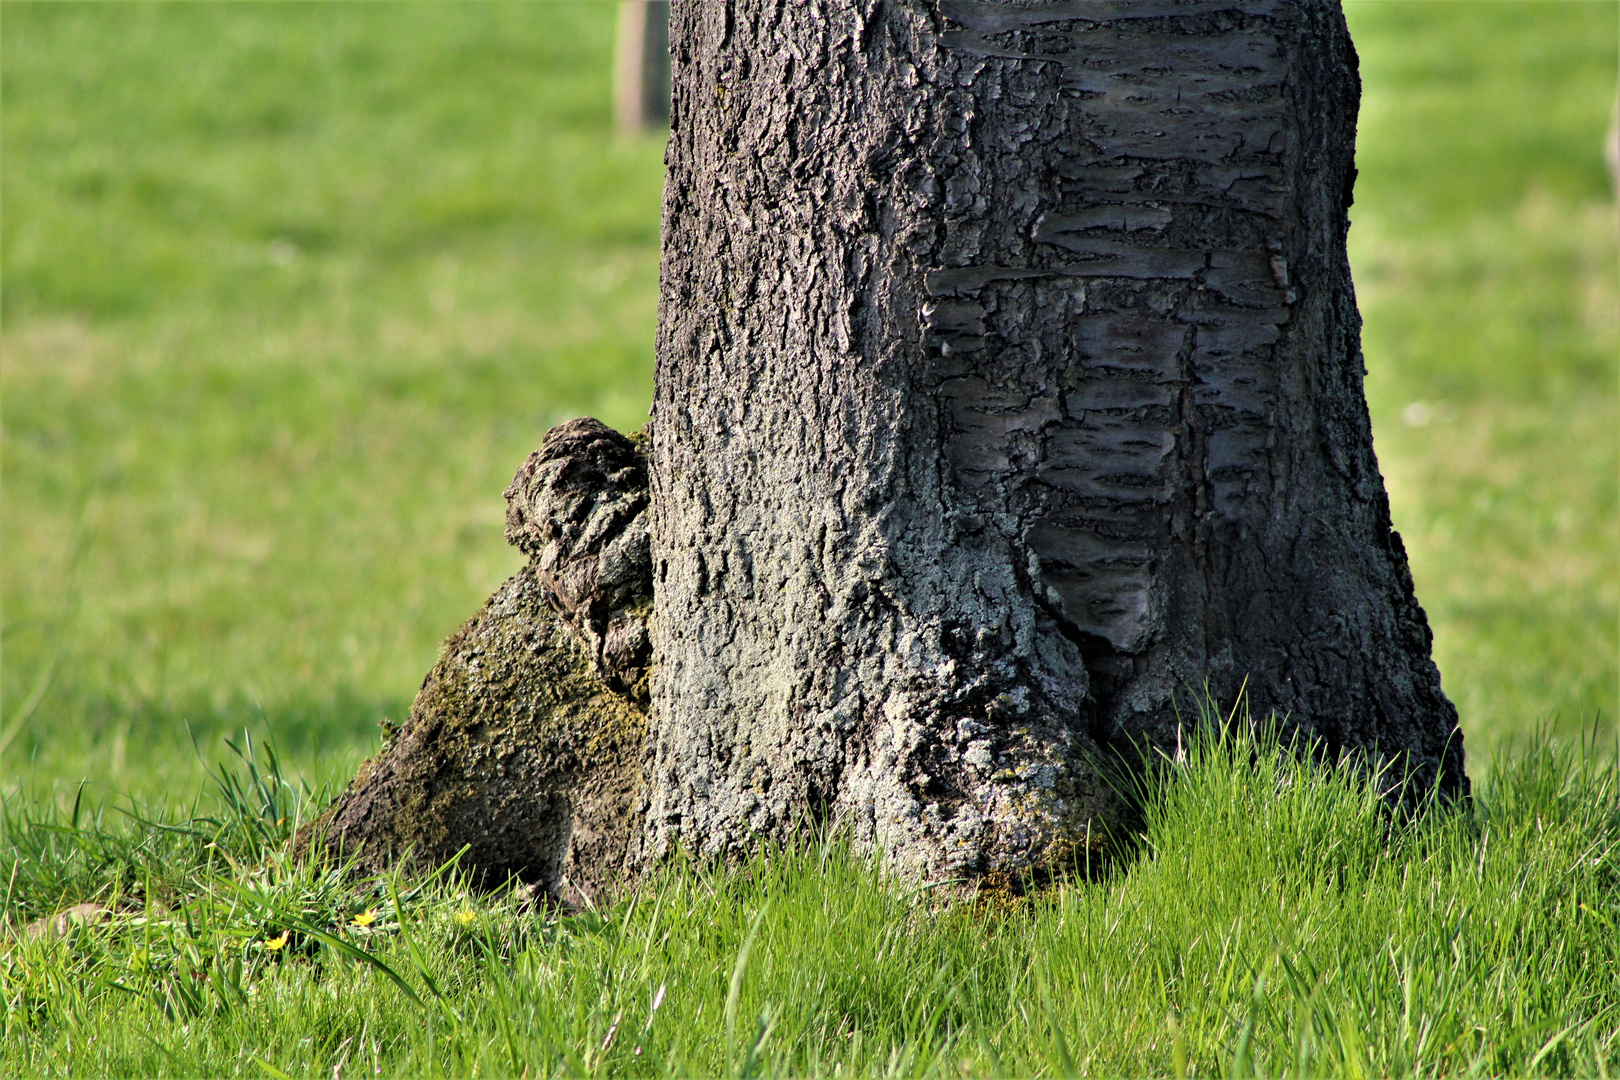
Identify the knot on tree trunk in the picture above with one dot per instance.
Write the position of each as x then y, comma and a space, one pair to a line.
578, 508
523, 751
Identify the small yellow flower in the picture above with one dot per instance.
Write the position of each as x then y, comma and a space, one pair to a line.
365, 918
275, 943
467, 917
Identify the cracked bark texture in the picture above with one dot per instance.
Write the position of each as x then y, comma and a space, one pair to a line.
1009, 392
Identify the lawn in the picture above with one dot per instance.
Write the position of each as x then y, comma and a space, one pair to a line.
1483, 247
291, 290
1269, 922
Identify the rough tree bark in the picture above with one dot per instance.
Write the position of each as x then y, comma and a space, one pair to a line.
1009, 393
1009, 386
523, 750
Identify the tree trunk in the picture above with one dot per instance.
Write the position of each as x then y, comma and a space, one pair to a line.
1008, 399
1009, 393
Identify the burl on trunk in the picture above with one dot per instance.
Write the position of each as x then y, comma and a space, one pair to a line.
1009, 394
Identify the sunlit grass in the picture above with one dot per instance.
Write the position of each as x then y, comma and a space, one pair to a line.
1502, 465
1484, 249
1273, 920
289, 293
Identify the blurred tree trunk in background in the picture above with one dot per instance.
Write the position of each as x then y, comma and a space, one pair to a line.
641, 66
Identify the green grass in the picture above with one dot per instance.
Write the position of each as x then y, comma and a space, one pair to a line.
1272, 920
290, 291
1484, 252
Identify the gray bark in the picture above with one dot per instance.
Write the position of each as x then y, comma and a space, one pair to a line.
1009, 393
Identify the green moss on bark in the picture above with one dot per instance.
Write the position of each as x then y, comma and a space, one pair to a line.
515, 750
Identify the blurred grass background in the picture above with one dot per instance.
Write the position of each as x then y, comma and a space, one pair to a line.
290, 291
1484, 250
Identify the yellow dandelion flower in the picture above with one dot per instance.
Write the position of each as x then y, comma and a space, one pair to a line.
279, 942
365, 918
466, 918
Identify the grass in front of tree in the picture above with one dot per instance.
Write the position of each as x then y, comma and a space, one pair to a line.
1273, 920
